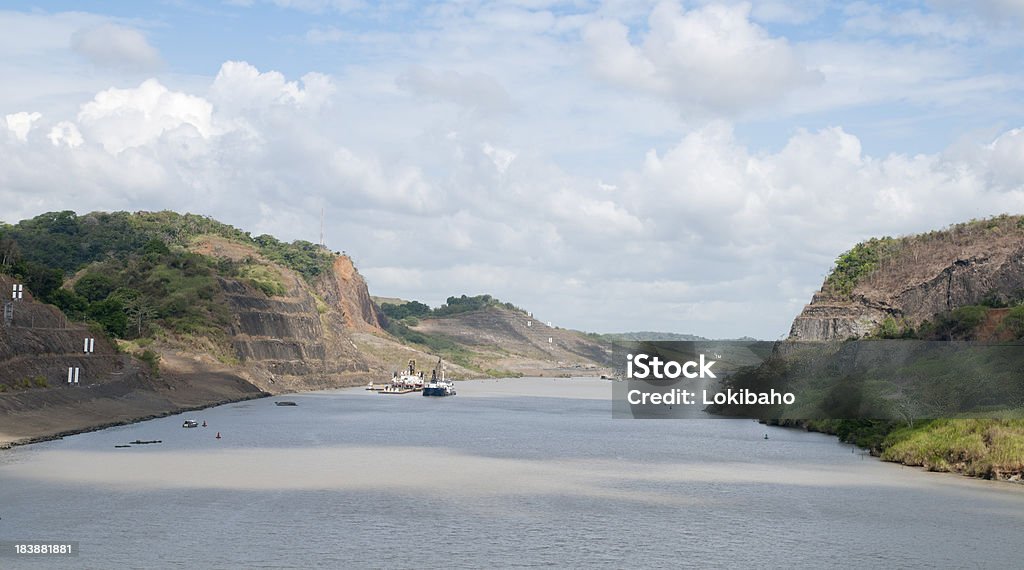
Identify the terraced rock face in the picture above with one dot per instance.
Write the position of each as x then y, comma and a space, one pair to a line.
302, 339
921, 277
38, 347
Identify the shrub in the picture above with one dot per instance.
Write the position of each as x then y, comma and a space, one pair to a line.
152, 359
1014, 321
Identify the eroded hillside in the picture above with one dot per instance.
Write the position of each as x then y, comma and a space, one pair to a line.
912, 280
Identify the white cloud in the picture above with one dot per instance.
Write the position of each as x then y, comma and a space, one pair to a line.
66, 133
239, 85
113, 45
124, 118
709, 58
21, 123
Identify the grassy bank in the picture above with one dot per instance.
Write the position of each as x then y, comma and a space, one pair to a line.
987, 448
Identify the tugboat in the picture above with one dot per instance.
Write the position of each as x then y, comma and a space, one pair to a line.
439, 386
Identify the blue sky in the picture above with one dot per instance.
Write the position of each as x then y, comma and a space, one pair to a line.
685, 166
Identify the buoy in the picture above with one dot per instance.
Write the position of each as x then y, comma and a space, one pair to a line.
218, 435
766, 436
204, 423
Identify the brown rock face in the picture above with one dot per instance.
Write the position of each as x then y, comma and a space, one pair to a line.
345, 289
298, 341
925, 276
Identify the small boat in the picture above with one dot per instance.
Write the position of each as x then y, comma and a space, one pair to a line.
119, 446
140, 442
190, 424
285, 403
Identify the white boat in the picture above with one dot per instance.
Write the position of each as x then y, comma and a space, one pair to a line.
407, 381
190, 424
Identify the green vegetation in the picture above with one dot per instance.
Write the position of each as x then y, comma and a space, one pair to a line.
132, 274
962, 323
263, 278
26, 384
464, 304
894, 254
152, 359
453, 306
855, 264
405, 310
65, 242
977, 447
1014, 321
981, 448
493, 373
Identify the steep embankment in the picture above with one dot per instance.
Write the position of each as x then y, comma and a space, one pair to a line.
302, 337
962, 283
915, 278
503, 340
185, 312
38, 346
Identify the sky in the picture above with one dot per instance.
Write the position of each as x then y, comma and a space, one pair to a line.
611, 166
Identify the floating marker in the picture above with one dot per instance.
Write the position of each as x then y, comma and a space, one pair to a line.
73, 372
218, 435
17, 291
90, 345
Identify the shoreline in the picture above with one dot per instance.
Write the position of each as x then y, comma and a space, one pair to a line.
485, 393
29, 440
1013, 479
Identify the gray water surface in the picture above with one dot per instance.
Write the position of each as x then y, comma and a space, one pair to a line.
489, 478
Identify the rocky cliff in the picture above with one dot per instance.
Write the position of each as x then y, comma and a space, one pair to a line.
304, 335
301, 339
915, 278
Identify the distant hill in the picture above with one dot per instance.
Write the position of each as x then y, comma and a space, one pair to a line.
508, 341
652, 336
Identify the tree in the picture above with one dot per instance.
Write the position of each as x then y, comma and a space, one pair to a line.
95, 286
138, 309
